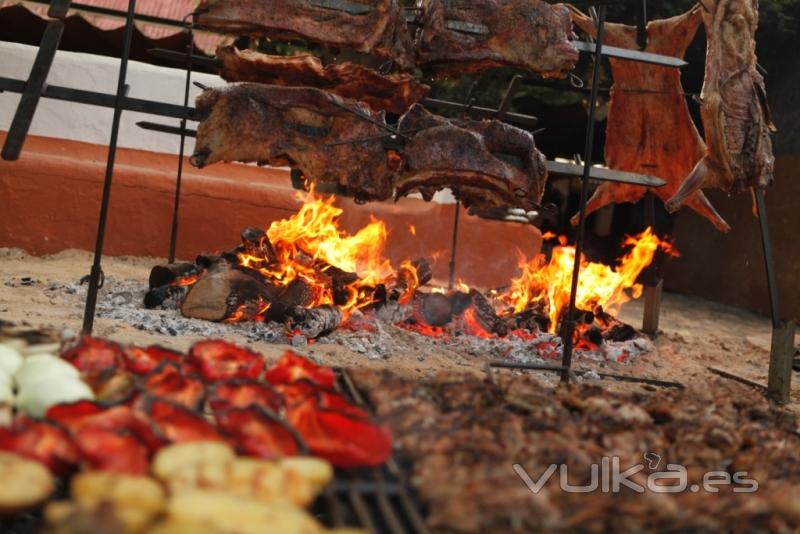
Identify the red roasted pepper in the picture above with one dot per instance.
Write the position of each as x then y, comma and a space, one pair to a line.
159, 422
257, 432
219, 360
292, 368
141, 361
107, 450
41, 441
167, 381
244, 392
84, 413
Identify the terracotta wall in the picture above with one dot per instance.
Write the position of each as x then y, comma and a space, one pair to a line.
730, 268
49, 201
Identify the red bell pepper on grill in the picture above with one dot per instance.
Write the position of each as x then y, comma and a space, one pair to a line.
159, 422
95, 356
341, 433
257, 432
242, 393
41, 441
167, 381
141, 361
219, 360
88, 414
107, 450
291, 368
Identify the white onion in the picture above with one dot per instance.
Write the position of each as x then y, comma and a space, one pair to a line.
35, 399
41, 367
6, 395
10, 359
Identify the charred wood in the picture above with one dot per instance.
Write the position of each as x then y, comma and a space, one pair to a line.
221, 293
162, 275
485, 314
437, 310
316, 322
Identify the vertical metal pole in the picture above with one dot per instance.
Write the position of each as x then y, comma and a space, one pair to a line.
173, 240
653, 284
769, 261
569, 326
452, 265
469, 101
94, 279
779, 383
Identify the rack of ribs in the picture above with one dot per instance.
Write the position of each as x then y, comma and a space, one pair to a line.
466, 36
734, 105
369, 26
650, 130
299, 127
485, 163
394, 92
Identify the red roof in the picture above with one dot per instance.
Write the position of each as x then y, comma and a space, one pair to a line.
172, 10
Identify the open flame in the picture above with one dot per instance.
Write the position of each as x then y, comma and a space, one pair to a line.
308, 244
549, 282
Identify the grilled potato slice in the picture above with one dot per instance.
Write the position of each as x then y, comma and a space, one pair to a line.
316, 470
135, 500
176, 458
240, 515
25, 483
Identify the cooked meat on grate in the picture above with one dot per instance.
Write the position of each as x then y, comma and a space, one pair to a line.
370, 26
486, 163
394, 92
650, 130
466, 36
734, 105
279, 126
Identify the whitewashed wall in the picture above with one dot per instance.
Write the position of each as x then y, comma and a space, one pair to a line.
78, 122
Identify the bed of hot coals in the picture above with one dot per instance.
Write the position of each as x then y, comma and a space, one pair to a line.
319, 282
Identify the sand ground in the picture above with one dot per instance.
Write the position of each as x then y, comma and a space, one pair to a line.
695, 334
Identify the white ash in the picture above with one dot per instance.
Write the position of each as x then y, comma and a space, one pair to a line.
375, 335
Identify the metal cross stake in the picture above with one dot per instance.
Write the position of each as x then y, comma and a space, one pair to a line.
569, 326
173, 240
783, 332
94, 281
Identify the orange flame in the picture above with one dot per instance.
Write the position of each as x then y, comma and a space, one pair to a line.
598, 284
311, 241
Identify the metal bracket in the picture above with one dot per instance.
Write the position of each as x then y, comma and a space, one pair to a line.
59, 9
604, 175
342, 5
635, 55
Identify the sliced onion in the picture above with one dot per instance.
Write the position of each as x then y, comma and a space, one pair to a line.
36, 398
41, 367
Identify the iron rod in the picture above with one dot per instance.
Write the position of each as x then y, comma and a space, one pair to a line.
453, 247
173, 240
736, 378
94, 280
769, 260
610, 376
566, 359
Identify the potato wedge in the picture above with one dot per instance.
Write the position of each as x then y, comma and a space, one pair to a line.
25, 483
240, 515
316, 470
135, 500
175, 458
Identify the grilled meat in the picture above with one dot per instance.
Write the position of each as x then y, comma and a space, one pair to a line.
394, 92
486, 163
299, 127
649, 127
466, 458
734, 105
466, 36
370, 26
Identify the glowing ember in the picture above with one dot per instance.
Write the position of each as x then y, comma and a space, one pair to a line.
598, 285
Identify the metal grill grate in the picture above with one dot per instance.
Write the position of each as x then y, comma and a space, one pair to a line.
378, 500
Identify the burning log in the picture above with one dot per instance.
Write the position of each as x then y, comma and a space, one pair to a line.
437, 309
256, 243
485, 314
222, 293
162, 275
158, 295
316, 322
411, 276
298, 294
